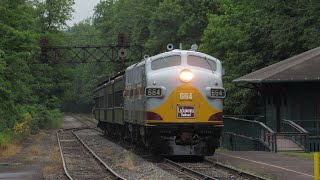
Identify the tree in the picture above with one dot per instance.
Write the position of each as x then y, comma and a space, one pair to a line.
248, 35
53, 14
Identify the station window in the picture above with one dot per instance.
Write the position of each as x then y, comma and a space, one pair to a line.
166, 61
202, 62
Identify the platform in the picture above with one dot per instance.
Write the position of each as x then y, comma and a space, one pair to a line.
266, 164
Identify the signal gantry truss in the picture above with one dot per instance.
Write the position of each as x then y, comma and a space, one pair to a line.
55, 54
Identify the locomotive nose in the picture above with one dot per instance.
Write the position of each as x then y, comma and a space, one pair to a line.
186, 75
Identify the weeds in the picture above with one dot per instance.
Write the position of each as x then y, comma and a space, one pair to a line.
128, 162
30, 120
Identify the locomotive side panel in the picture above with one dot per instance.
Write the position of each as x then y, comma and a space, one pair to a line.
128, 95
139, 95
134, 95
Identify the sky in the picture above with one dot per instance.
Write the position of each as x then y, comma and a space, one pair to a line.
83, 9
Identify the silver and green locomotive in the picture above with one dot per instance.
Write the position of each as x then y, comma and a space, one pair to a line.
170, 103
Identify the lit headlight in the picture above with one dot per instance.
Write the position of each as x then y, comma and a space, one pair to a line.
186, 75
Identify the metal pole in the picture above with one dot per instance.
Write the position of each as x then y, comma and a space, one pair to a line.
275, 142
316, 165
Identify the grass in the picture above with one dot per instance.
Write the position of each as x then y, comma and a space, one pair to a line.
8, 146
128, 162
5, 138
55, 162
35, 150
9, 150
308, 156
55, 119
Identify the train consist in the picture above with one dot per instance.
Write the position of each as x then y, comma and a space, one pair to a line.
170, 103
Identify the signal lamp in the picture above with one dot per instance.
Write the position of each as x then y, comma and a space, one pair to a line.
186, 75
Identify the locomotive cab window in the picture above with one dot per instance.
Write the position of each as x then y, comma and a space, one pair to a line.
202, 62
164, 62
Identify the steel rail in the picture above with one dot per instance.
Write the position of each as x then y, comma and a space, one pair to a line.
116, 176
62, 157
87, 126
187, 171
78, 118
89, 119
235, 171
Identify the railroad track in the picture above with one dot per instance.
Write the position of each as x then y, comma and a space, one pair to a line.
79, 161
233, 170
86, 121
204, 170
182, 172
200, 170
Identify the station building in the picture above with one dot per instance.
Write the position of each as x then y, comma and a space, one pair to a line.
291, 91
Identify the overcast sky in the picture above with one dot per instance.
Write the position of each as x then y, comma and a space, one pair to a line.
83, 9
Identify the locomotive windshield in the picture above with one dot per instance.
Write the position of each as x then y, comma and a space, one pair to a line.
165, 62
202, 62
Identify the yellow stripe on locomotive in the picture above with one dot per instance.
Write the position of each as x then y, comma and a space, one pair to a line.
200, 110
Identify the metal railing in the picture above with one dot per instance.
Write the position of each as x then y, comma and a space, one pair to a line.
291, 141
292, 137
240, 134
259, 118
243, 134
290, 126
313, 128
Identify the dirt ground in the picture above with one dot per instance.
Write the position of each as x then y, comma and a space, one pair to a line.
37, 158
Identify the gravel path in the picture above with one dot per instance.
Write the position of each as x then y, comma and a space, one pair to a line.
124, 162
38, 157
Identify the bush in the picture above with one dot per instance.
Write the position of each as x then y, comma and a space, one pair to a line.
30, 119
40, 117
55, 119
6, 137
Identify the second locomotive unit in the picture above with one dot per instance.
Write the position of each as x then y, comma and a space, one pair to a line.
170, 103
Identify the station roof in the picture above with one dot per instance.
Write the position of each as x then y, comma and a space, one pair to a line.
304, 67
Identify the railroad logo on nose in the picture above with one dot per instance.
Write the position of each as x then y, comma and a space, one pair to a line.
185, 111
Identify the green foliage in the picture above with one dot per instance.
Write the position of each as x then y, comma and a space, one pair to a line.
248, 35
153, 23
25, 88
245, 35
178, 22
41, 117
6, 137
53, 14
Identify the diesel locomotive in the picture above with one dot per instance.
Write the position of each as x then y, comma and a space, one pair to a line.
170, 103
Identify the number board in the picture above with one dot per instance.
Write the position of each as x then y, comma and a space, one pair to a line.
186, 96
153, 92
218, 93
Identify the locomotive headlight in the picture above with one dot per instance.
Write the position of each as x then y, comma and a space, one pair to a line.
186, 75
